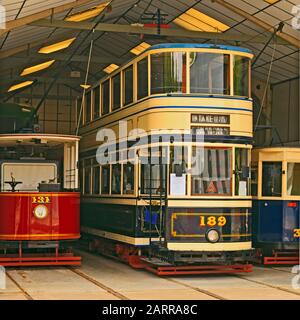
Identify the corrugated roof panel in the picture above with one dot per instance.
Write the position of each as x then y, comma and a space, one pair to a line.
243, 5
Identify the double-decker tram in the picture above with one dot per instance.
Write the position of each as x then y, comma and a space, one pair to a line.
276, 199
39, 199
166, 185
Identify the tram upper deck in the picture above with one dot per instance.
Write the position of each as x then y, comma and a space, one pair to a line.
174, 86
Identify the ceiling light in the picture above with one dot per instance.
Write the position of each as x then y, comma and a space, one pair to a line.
85, 86
57, 46
195, 20
112, 67
20, 85
37, 67
87, 14
140, 48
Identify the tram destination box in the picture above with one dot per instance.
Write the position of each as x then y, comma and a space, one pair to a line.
49, 187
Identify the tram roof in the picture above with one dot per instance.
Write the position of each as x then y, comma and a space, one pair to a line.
119, 29
50, 139
198, 46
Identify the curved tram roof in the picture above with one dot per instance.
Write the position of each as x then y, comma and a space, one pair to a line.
7, 140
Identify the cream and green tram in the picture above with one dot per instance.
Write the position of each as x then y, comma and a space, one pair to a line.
168, 178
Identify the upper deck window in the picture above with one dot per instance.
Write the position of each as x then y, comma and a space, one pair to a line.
168, 72
241, 67
128, 85
79, 112
142, 78
105, 97
209, 73
116, 88
88, 106
96, 102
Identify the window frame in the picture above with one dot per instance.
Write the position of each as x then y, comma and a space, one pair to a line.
94, 90
230, 193
109, 180
112, 82
262, 176
109, 97
123, 89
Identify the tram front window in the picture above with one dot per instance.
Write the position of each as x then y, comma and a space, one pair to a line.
293, 179
271, 179
213, 174
209, 73
168, 72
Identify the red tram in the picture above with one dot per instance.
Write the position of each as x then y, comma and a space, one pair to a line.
39, 199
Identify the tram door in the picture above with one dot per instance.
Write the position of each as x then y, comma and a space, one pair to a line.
269, 210
153, 190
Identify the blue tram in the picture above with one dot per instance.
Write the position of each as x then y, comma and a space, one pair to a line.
276, 201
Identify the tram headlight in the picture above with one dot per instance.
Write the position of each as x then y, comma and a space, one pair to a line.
40, 212
213, 235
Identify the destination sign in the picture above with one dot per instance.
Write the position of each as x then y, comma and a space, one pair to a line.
211, 131
210, 118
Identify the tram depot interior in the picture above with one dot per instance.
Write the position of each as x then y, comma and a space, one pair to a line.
222, 76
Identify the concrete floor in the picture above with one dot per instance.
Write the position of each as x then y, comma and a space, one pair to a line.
101, 278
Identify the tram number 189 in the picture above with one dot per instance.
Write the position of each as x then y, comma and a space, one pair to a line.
212, 221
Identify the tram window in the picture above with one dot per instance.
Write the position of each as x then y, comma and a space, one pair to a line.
128, 178
96, 180
293, 179
105, 179
105, 97
116, 179
88, 106
152, 180
168, 72
96, 102
128, 85
242, 172
211, 171
81, 176
271, 179
178, 170
142, 80
254, 180
116, 92
209, 73
87, 180
241, 67
79, 102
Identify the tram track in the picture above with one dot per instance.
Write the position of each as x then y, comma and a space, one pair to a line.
268, 285
98, 284
206, 292
26, 294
